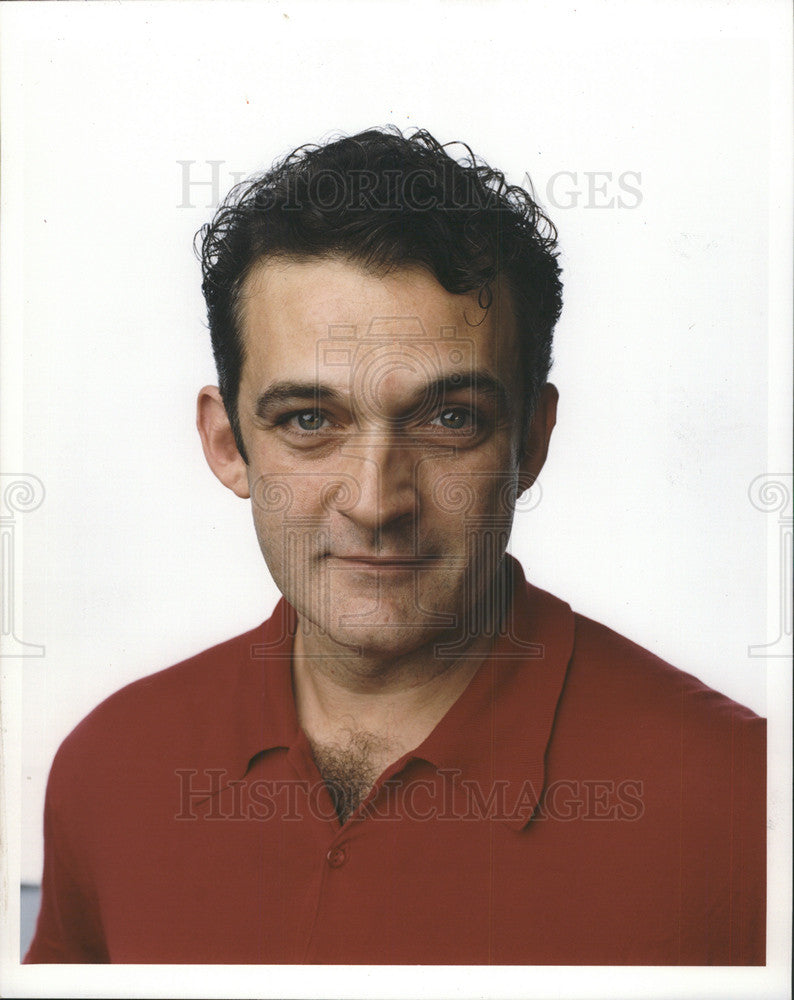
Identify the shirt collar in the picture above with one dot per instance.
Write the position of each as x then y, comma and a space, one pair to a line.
499, 728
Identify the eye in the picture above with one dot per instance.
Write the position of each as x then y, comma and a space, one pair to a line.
308, 420
454, 418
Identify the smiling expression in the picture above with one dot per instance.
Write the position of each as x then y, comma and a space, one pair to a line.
380, 417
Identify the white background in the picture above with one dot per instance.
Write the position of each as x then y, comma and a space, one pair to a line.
671, 355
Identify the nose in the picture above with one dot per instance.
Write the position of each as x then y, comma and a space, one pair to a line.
383, 470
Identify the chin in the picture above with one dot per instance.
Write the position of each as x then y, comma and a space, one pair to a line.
385, 629
392, 610
380, 643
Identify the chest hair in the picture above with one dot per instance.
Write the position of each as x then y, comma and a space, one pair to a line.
350, 768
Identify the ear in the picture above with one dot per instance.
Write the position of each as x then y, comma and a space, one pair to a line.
537, 442
217, 440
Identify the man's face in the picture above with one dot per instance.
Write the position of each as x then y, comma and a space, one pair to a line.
380, 419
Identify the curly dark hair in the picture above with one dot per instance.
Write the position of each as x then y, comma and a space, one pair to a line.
384, 200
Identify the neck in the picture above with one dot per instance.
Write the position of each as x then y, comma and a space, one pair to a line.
399, 700
394, 695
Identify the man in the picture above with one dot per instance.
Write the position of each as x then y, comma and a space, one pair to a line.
419, 758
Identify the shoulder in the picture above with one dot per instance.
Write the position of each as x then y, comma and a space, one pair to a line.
164, 715
610, 673
191, 686
626, 703
615, 668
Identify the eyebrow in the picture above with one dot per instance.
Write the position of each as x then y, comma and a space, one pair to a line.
286, 392
315, 393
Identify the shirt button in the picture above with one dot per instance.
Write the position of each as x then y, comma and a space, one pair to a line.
336, 857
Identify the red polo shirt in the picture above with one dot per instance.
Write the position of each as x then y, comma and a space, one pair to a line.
581, 803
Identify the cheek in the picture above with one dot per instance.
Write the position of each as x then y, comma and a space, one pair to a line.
481, 492
284, 495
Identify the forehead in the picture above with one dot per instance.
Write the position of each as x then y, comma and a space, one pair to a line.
296, 314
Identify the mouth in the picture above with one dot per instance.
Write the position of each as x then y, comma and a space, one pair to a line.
389, 563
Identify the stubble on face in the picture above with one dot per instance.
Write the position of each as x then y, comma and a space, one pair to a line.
379, 415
